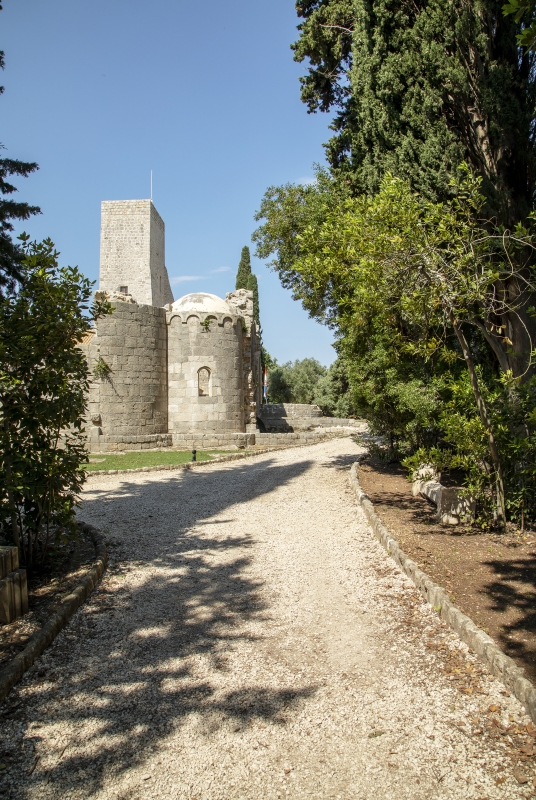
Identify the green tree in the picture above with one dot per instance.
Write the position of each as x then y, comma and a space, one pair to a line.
417, 89
43, 386
244, 269
302, 377
11, 253
420, 87
266, 359
253, 286
294, 381
332, 390
421, 277
525, 12
278, 387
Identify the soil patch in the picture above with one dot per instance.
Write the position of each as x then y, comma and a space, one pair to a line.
491, 577
47, 587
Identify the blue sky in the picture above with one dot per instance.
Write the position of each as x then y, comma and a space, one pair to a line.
204, 94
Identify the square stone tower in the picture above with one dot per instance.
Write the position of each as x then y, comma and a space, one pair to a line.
132, 252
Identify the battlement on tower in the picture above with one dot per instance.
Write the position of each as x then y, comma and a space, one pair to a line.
132, 252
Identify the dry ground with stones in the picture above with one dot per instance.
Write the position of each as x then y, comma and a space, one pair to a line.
251, 640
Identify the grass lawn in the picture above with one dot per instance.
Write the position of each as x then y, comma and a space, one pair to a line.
147, 459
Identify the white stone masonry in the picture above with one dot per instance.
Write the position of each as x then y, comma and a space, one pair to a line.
132, 254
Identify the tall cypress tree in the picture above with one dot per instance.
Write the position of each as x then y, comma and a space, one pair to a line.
419, 87
10, 253
253, 285
244, 269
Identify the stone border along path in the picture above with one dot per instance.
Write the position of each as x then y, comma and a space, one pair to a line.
499, 664
11, 674
252, 640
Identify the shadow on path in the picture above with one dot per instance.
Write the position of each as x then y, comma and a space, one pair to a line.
131, 666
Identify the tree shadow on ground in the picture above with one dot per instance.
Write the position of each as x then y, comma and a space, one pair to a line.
131, 656
343, 462
513, 594
422, 512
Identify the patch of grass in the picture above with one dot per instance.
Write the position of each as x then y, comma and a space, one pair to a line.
148, 458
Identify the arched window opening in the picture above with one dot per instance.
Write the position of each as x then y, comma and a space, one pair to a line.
203, 382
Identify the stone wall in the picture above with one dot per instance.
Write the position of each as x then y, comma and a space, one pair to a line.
340, 422
299, 437
242, 301
295, 417
212, 441
288, 411
99, 443
131, 400
214, 343
133, 251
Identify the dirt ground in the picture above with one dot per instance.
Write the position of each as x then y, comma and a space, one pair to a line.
46, 588
491, 577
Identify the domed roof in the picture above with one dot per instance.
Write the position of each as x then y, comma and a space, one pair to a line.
204, 302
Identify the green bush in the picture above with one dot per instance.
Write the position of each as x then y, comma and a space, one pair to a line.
295, 381
463, 445
43, 386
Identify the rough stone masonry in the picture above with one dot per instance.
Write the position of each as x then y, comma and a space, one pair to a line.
184, 373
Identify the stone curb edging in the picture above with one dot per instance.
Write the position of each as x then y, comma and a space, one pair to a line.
217, 460
500, 665
40, 640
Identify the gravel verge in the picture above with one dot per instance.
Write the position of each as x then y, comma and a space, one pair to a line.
251, 640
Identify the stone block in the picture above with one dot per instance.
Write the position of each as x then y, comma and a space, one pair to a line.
452, 507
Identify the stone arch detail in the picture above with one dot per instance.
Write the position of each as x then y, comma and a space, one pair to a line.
204, 382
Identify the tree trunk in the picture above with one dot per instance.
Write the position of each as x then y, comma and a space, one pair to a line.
484, 416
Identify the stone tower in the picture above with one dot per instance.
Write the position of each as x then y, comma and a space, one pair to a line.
132, 252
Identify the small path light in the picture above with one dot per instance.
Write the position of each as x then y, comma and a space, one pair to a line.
194, 455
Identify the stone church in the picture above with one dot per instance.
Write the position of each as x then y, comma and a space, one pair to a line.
165, 373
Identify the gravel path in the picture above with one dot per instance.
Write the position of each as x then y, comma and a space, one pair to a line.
253, 640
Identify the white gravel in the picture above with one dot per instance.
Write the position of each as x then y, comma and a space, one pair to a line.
251, 640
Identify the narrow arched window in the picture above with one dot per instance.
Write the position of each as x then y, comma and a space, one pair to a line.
203, 382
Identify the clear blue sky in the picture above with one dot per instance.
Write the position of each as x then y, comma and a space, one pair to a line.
204, 94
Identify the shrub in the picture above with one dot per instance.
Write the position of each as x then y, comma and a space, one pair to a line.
43, 385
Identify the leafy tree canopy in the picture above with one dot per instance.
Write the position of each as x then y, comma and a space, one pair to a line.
417, 276
10, 253
418, 87
295, 381
525, 12
43, 386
